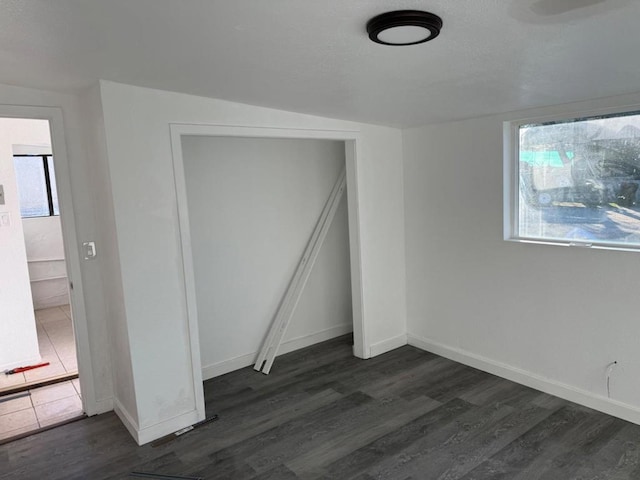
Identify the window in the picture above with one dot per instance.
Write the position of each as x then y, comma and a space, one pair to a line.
36, 185
575, 182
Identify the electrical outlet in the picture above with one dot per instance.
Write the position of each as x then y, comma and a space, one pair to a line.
5, 219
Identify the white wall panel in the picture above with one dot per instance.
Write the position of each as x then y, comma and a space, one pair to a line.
137, 126
547, 313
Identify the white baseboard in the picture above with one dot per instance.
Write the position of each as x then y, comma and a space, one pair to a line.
524, 377
130, 424
159, 430
153, 432
236, 363
99, 407
388, 345
226, 366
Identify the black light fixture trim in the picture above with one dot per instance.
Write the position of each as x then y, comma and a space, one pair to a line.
404, 18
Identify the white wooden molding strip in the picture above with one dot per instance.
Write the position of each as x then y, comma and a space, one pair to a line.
294, 290
307, 265
42, 260
45, 279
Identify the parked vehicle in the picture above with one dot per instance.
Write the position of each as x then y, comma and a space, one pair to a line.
598, 170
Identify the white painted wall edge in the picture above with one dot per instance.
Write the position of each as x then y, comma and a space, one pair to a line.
153, 432
529, 379
388, 345
236, 363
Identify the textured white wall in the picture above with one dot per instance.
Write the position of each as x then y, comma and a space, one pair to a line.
253, 204
18, 339
144, 204
550, 316
116, 337
45, 256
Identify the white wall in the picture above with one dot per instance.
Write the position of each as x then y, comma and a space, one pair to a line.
45, 257
18, 338
108, 258
43, 237
548, 316
148, 239
253, 204
90, 317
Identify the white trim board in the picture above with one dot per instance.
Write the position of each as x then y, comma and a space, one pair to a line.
277, 331
352, 146
529, 379
127, 420
167, 427
104, 406
352, 154
148, 434
242, 361
388, 345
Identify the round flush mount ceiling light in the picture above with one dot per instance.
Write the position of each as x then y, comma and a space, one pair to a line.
404, 27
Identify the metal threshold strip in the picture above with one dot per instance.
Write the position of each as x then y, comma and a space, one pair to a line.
38, 383
158, 476
42, 429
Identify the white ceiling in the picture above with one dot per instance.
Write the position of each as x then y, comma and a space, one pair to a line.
314, 56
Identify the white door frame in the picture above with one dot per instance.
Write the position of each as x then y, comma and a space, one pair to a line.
72, 253
352, 145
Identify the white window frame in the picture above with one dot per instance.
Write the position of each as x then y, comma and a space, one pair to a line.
511, 177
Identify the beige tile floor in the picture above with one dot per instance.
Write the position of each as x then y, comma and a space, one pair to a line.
44, 406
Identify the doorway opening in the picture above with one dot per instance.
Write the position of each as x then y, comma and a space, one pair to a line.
39, 384
349, 143
253, 206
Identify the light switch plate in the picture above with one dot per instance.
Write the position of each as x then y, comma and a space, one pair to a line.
89, 250
5, 219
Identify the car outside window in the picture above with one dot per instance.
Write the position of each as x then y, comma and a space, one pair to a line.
578, 181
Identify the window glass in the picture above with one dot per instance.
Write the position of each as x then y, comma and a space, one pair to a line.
32, 189
578, 180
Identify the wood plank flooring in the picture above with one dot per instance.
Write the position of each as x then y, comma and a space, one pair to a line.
323, 414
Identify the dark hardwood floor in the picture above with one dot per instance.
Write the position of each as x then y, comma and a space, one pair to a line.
323, 414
